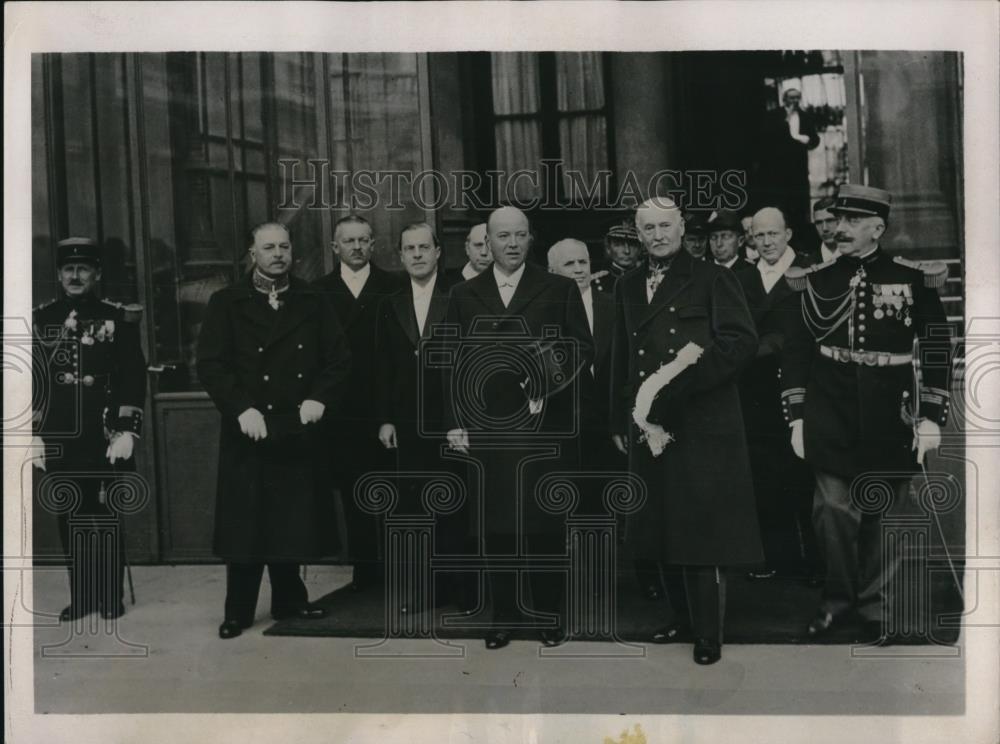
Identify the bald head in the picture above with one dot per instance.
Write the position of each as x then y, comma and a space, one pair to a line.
570, 258
660, 226
770, 234
508, 235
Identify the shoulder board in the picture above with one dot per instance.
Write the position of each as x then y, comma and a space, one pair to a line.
44, 305
132, 312
798, 276
935, 272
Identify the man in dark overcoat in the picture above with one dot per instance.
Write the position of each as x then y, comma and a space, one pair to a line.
408, 399
700, 516
92, 375
850, 396
274, 359
511, 398
783, 484
355, 288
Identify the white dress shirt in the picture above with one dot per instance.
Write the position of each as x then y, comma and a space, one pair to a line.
507, 284
769, 274
588, 305
422, 301
355, 280
828, 255
468, 272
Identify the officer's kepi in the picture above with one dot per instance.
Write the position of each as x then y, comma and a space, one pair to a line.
862, 200
78, 250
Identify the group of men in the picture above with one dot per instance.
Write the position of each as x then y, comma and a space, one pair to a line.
728, 387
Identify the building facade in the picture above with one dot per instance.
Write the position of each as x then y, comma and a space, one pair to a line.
167, 159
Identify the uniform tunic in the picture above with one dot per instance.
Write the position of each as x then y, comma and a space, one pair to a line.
854, 410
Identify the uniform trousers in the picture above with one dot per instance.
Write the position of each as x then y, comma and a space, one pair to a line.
860, 563
288, 591
93, 541
697, 594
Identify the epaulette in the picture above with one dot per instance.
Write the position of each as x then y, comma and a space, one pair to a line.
798, 276
44, 305
935, 272
132, 311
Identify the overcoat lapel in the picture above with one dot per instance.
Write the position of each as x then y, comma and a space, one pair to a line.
485, 288
527, 289
438, 307
402, 305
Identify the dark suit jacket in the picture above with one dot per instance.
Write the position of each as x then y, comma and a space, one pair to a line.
493, 351
355, 426
409, 393
604, 327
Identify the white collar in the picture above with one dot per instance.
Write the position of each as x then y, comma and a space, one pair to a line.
729, 264
782, 264
514, 278
349, 274
468, 272
419, 291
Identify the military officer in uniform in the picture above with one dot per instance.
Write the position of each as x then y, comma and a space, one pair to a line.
848, 395
274, 359
623, 250
90, 361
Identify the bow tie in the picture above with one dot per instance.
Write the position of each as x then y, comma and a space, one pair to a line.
506, 284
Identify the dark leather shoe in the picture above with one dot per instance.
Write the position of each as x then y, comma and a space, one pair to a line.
73, 612
497, 639
672, 633
112, 613
231, 629
306, 612
820, 625
707, 651
552, 637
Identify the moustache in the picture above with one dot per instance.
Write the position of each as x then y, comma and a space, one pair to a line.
841, 238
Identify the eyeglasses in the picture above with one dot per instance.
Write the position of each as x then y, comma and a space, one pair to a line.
364, 242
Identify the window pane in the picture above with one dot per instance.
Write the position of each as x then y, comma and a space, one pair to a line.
519, 147
515, 82
583, 141
375, 104
579, 81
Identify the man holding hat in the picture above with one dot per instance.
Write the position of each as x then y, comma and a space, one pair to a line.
90, 376
724, 239
850, 398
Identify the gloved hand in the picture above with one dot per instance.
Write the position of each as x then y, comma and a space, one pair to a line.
459, 440
927, 439
36, 453
387, 436
252, 424
798, 442
311, 411
120, 447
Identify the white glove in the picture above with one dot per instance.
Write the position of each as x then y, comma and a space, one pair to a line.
620, 442
927, 439
459, 440
311, 411
252, 424
387, 436
120, 447
36, 453
798, 442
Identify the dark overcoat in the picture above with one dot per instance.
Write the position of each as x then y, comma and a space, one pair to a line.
483, 391
700, 507
271, 502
